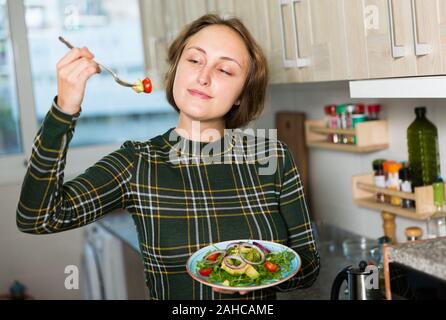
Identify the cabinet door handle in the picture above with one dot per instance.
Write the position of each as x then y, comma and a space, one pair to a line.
300, 62
397, 51
421, 49
296, 61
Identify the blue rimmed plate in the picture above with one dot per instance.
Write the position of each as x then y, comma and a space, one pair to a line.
192, 269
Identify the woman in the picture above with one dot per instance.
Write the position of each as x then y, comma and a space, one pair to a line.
217, 79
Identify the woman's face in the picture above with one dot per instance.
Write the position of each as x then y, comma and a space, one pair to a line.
214, 62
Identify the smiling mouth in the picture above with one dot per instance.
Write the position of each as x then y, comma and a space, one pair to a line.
199, 95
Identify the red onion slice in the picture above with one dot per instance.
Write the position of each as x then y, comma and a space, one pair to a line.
262, 255
261, 247
231, 266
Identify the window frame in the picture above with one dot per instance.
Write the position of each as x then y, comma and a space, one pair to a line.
13, 167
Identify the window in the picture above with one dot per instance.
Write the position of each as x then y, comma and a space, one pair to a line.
10, 140
111, 30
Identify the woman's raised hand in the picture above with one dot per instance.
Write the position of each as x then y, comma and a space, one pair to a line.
73, 71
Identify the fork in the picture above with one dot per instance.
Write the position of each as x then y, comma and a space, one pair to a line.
117, 79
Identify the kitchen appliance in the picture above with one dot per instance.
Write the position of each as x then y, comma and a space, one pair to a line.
103, 265
358, 283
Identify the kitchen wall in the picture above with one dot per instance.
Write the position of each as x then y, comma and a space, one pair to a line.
330, 172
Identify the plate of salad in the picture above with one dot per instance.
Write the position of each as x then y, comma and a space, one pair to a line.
243, 265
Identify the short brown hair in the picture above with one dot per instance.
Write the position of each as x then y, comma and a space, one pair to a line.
253, 94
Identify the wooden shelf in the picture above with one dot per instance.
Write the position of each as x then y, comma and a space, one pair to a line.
364, 192
389, 192
371, 136
346, 147
402, 212
324, 130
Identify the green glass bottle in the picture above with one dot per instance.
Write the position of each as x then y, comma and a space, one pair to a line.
422, 144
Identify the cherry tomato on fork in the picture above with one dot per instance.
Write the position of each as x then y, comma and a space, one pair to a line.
147, 85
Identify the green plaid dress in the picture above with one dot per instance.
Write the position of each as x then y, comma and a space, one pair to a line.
178, 204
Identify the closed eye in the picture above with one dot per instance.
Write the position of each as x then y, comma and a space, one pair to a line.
225, 72
192, 60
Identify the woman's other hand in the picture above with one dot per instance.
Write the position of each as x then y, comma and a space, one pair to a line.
228, 291
73, 71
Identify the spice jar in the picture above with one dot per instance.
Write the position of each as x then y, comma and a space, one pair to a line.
386, 174
379, 178
373, 110
406, 186
331, 122
394, 182
342, 121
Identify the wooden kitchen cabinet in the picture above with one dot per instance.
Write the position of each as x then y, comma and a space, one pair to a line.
289, 53
329, 45
404, 40
316, 40
309, 43
255, 16
426, 28
389, 38
350, 39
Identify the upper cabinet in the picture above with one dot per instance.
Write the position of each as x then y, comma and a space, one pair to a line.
321, 40
402, 38
316, 40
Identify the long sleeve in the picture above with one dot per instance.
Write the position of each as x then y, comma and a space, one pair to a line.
300, 234
47, 204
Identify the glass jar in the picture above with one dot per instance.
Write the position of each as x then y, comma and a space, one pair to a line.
436, 224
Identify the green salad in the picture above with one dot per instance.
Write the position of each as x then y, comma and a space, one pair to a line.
244, 264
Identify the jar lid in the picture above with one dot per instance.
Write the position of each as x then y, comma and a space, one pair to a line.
404, 173
329, 109
340, 108
360, 108
377, 164
413, 232
374, 108
350, 108
386, 164
394, 167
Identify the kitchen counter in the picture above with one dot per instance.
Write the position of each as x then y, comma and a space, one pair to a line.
428, 256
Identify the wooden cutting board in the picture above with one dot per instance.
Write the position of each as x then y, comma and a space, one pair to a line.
291, 130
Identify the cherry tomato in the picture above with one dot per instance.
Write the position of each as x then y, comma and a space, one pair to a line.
213, 257
271, 267
147, 85
205, 272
